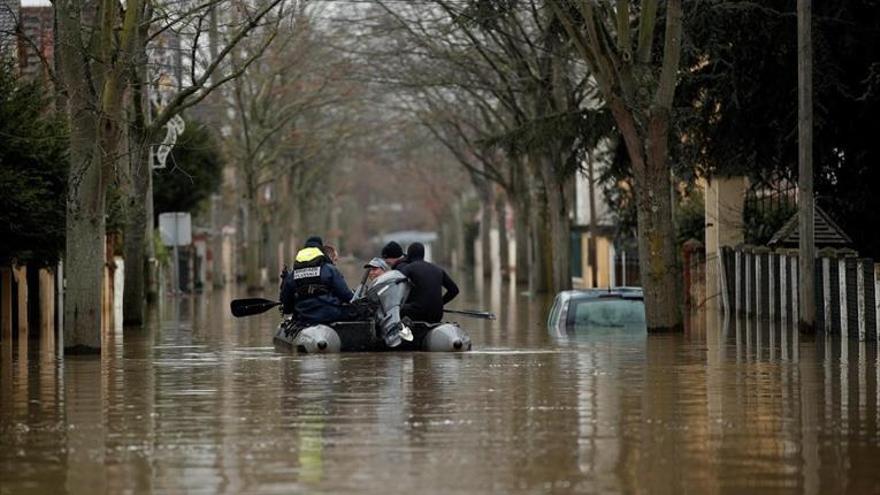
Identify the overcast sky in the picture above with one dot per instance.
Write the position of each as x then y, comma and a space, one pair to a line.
35, 3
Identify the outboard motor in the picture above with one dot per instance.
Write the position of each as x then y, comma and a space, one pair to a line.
389, 291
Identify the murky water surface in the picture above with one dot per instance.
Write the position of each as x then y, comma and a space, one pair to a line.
201, 403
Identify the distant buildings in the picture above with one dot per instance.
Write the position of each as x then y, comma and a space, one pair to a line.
27, 38
612, 267
36, 42
8, 20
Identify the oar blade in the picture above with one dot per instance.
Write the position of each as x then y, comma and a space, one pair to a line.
486, 315
251, 306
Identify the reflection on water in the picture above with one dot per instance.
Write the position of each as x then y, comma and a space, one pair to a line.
199, 402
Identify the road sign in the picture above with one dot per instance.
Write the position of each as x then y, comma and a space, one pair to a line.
175, 228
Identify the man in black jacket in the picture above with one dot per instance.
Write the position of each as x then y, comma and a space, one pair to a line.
392, 253
425, 301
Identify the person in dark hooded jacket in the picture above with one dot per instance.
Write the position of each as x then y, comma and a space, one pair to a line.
426, 299
392, 253
315, 291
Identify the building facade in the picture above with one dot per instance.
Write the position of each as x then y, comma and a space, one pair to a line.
36, 42
588, 192
9, 13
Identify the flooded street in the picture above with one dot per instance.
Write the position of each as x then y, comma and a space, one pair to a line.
201, 403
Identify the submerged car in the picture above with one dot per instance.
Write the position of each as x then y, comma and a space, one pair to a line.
598, 311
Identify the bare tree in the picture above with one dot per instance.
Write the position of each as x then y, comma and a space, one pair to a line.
292, 121
525, 98
100, 47
639, 93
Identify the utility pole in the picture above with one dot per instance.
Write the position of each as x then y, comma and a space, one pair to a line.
806, 209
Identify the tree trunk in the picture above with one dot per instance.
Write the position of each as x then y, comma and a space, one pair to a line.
252, 247
296, 228
522, 207
138, 234
560, 237
151, 272
216, 238
289, 229
557, 248
86, 249
503, 244
656, 232
483, 258
657, 259
541, 249
486, 224
521, 234
458, 243
272, 262
641, 107
84, 263
84, 256
137, 230
334, 236
592, 257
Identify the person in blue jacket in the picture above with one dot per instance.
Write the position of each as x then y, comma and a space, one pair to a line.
315, 291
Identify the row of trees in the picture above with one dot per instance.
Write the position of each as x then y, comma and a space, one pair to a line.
107, 86
522, 92
295, 115
316, 147
493, 84
295, 127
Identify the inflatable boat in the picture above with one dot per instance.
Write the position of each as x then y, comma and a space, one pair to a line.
386, 330
361, 336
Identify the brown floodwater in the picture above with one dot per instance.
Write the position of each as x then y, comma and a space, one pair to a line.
198, 402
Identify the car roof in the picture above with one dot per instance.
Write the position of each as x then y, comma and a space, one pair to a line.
580, 294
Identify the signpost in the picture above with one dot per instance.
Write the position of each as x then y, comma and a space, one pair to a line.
175, 228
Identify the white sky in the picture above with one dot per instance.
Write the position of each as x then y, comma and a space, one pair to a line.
35, 3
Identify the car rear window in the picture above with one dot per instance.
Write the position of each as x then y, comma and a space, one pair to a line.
607, 312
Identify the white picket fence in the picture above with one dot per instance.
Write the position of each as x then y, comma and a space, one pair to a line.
763, 283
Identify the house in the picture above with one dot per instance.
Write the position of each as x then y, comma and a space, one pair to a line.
826, 233
610, 264
36, 41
